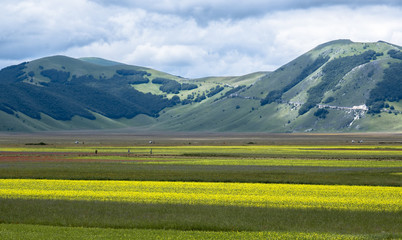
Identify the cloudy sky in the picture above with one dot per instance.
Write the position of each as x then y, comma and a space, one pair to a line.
191, 38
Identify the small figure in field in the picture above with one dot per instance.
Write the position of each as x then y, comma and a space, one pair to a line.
128, 151
96, 151
150, 152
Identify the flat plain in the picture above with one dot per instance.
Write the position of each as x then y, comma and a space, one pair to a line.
103, 185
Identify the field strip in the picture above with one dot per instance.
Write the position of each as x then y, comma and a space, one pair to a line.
262, 162
25, 231
177, 160
365, 198
249, 149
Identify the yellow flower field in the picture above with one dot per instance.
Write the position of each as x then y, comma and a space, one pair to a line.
366, 198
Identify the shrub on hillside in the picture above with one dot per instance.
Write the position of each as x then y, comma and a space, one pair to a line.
129, 72
200, 98
233, 91
171, 86
321, 113
188, 86
329, 100
395, 54
215, 90
55, 75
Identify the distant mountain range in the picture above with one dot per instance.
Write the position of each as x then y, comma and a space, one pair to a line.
339, 86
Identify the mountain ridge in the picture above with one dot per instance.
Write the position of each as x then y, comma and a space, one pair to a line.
338, 86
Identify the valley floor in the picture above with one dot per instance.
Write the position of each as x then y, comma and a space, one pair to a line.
104, 185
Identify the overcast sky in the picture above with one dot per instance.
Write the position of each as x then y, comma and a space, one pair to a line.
191, 38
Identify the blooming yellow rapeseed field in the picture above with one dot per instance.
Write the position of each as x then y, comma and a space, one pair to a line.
366, 198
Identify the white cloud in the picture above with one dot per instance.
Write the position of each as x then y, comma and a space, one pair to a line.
170, 37
206, 10
40, 27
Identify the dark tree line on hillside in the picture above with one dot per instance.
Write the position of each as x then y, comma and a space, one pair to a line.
168, 86
13, 73
321, 113
389, 89
395, 54
134, 77
130, 72
62, 102
62, 98
276, 95
33, 100
82, 79
334, 71
188, 86
215, 90
171, 86
233, 91
175, 100
55, 75
200, 98
123, 77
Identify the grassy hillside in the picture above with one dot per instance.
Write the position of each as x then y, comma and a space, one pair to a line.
59, 92
352, 71
339, 86
63, 87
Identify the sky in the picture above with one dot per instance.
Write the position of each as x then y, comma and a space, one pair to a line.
191, 38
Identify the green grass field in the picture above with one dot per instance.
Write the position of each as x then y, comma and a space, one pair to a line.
24, 231
200, 192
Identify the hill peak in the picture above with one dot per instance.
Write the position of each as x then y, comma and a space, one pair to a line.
334, 42
100, 61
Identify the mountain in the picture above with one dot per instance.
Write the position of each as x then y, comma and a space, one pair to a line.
339, 86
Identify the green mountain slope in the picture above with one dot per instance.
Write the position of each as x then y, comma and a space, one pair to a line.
341, 77
62, 88
339, 86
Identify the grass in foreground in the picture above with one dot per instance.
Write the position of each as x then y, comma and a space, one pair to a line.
37, 232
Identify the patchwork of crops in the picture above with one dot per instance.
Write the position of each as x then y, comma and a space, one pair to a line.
305, 192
